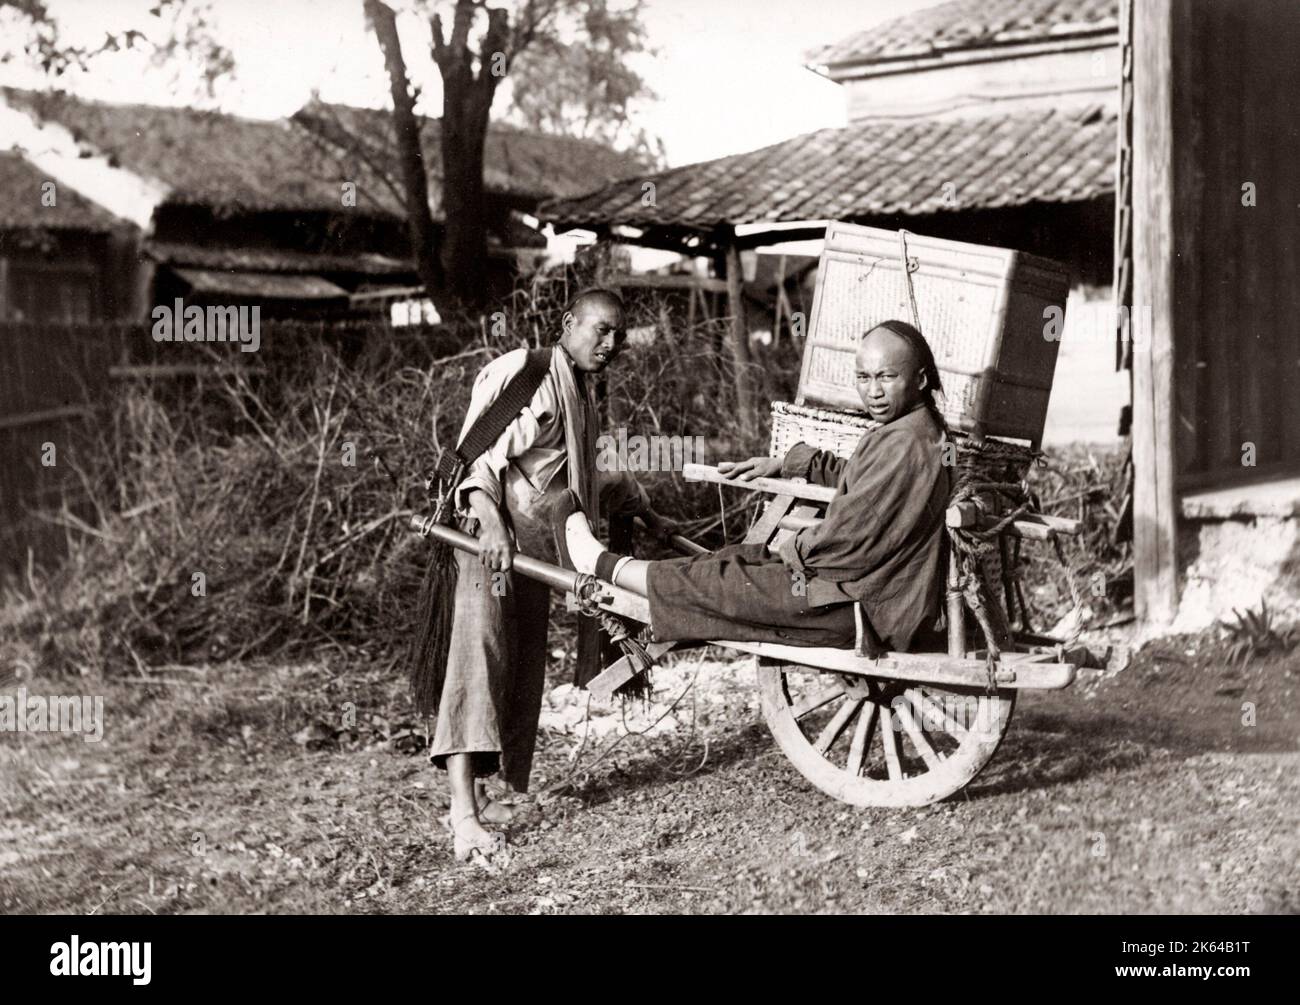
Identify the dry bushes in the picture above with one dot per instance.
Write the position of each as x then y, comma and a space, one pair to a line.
247, 517
264, 513
1087, 484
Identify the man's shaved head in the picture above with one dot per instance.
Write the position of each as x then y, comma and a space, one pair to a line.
598, 296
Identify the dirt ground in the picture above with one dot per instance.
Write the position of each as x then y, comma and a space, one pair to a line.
1171, 786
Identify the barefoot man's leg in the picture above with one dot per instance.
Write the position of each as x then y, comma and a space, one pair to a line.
465, 821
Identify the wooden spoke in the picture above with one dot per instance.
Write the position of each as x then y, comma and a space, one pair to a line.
890, 742
816, 700
986, 716
932, 711
922, 745
861, 738
930, 752
836, 726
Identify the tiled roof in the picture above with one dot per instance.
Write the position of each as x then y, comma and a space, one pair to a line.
969, 24
227, 162
273, 260
869, 170
205, 158
264, 285
21, 207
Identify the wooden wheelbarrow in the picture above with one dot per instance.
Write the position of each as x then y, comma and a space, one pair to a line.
891, 729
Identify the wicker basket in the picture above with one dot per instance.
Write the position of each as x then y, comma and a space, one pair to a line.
981, 309
833, 429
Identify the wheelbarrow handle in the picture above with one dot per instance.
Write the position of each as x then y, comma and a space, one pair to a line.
613, 598
551, 575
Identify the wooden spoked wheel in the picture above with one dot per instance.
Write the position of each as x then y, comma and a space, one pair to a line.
874, 742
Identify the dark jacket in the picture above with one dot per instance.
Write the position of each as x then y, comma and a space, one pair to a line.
882, 541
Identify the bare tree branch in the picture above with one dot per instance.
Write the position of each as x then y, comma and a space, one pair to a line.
410, 154
338, 140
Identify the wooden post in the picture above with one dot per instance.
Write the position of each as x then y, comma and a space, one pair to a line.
783, 308
956, 610
142, 272
1008, 583
1122, 283
1154, 221
739, 335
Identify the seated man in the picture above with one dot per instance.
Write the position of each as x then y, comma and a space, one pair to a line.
881, 542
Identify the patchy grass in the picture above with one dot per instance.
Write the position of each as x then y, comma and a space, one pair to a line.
243, 788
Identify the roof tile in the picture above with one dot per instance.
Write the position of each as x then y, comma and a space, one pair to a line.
872, 169
967, 24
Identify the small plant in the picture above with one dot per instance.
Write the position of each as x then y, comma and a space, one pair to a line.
1254, 634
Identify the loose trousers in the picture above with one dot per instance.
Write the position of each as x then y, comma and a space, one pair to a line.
496, 665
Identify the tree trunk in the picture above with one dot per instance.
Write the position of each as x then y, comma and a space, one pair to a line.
464, 245
467, 104
420, 225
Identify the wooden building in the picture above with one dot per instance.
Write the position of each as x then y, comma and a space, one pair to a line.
1215, 204
62, 257
293, 214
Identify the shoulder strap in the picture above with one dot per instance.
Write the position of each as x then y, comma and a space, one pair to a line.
512, 400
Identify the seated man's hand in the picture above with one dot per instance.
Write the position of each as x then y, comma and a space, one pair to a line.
755, 467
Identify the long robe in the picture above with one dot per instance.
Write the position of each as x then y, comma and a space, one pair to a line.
880, 543
492, 694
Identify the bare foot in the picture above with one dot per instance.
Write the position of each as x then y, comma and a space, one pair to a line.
471, 840
492, 812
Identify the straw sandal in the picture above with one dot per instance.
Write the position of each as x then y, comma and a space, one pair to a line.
489, 853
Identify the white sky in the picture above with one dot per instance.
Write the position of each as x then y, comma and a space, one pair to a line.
728, 72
